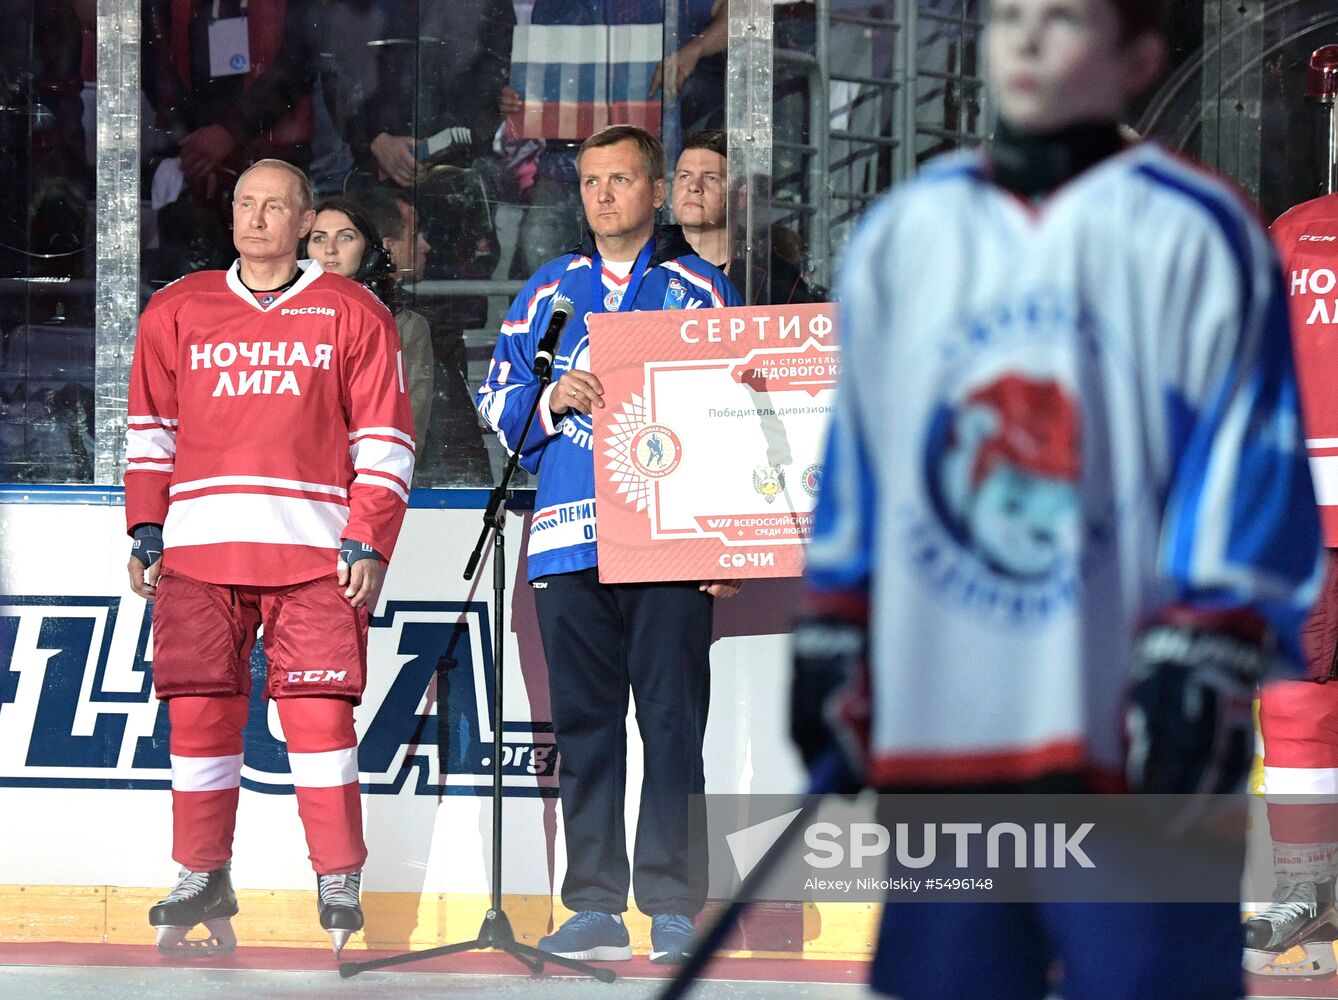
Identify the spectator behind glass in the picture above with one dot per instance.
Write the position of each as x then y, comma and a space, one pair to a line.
346, 239
219, 109
437, 72
553, 222
795, 31
46, 335
699, 84
415, 90
340, 240
699, 199
455, 433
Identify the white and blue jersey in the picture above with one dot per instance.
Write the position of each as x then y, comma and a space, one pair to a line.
1053, 422
561, 451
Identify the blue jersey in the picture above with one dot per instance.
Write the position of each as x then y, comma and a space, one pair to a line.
561, 451
1053, 422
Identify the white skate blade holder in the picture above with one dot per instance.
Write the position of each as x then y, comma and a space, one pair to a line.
173, 942
1311, 960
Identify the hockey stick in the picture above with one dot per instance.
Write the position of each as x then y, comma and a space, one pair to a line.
830, 775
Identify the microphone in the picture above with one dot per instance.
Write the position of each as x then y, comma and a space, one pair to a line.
543, 357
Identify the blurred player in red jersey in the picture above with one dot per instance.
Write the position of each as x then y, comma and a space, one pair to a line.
1299, 719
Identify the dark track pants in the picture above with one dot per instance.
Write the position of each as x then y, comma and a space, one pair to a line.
602, 642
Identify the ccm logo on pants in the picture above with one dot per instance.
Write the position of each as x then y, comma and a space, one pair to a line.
315, 676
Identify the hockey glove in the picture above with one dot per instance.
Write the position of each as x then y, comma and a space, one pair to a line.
1190, 718
830, 676
351, 550
148, 543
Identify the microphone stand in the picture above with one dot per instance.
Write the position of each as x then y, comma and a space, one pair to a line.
495, 932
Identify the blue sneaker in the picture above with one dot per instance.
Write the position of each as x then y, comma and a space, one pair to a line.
590, 936
670, 937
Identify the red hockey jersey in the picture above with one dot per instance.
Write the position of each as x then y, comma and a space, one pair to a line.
1307, 239
259, 437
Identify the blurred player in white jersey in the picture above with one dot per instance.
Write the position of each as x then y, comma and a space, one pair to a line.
1066, 518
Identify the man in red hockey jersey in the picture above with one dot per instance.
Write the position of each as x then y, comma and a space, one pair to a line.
269, 449
1299, 719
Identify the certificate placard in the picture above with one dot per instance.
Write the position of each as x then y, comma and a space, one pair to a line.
707, 449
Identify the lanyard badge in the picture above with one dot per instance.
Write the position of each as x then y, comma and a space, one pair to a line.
229, 44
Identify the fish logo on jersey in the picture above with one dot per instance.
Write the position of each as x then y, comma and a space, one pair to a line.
1000, 535
1008, 477
1017, 491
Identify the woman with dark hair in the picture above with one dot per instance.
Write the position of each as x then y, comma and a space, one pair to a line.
344, 240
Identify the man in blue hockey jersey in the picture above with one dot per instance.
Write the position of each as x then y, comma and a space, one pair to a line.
1066, 523
602, 640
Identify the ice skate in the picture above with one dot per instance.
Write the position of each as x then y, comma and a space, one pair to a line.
1302, 916
340, 910
198, 898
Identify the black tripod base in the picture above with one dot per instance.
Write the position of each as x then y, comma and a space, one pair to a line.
495, 933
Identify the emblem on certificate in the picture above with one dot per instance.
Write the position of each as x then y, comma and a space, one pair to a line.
768, 480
